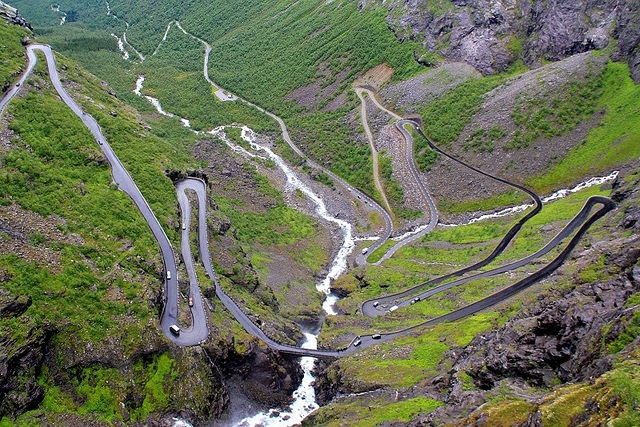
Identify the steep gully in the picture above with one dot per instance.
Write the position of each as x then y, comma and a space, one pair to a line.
365, 341
122, 178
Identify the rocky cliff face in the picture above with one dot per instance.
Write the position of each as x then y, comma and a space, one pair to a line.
20, 357
12, 16
493, 34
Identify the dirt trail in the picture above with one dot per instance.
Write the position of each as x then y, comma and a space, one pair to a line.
374, 151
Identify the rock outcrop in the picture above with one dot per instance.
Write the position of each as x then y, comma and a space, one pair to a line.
265, 376
21, 354
492, 34
571, 334
11, 15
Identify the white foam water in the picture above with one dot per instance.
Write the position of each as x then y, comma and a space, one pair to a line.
560, 194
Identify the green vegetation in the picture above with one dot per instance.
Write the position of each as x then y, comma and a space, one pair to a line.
556, 116
90, 265
607, 146
376, 412
276, 39
445, 117
627, 336
509, 198
55, 168
174, 75
445, 250
97, 392
369, 411
533, 235
328, 137
416, 357
626, 384
393, 189
279, 226
276, 224
12, 54
294, 41
483, 140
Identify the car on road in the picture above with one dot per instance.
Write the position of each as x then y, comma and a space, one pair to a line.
376, 303
184, 226
357, 342
175, 330
364, 251
393, 308
415, 300
168, 275
376, 336
190, 301
18, 84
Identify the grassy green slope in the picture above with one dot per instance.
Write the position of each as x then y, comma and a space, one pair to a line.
261, 51
12, 54
100, 272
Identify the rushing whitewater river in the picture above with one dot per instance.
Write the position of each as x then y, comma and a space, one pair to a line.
304, 397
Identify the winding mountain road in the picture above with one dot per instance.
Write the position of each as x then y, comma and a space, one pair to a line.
125, 183
370, 203
198, 332
372, 146
581, 222
410, 160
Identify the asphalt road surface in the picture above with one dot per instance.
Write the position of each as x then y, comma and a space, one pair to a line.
125, 183
198, 331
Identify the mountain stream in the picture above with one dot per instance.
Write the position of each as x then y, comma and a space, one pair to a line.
304, 397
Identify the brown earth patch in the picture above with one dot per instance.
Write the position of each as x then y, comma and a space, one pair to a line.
375, 77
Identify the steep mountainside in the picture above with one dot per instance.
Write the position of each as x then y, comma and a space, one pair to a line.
80, 274
492, 35
540, 93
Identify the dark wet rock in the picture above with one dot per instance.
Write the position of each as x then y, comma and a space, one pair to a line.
13, 306
224, 226
20, 359
627, 34
265, 376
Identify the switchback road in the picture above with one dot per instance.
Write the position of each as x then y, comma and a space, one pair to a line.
125, 183
580, 224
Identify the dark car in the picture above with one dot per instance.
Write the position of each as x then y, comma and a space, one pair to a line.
190, 301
